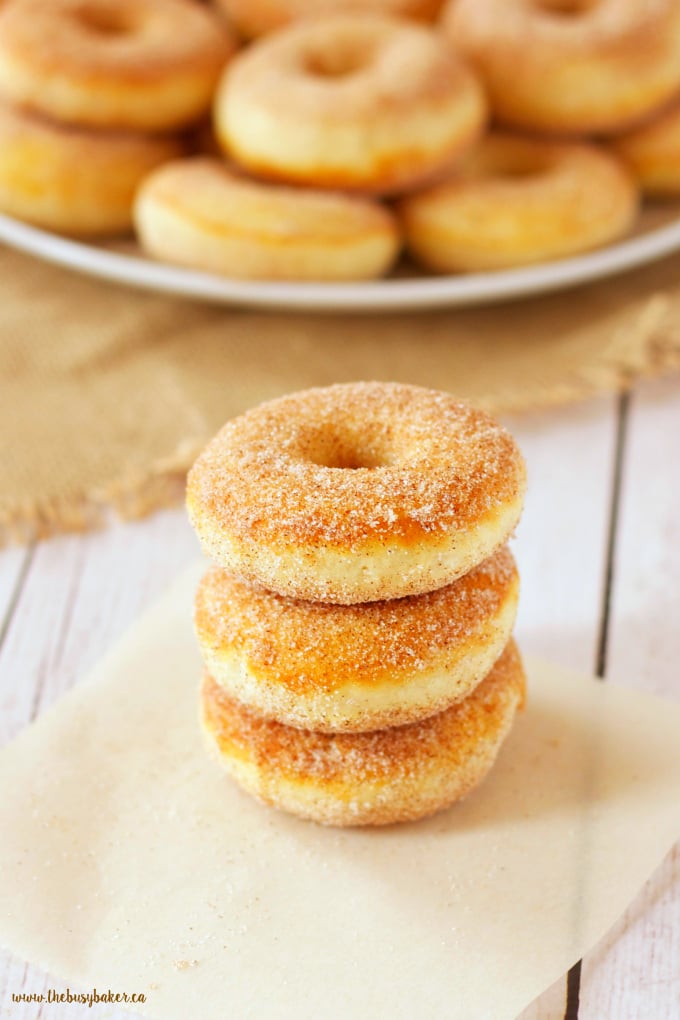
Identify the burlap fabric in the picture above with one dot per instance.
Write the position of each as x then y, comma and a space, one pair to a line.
108, 393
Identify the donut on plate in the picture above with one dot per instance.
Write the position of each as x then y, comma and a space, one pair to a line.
71, 180
148, 65
333, 668
515, 201
200, 213
356, 492
574, 66
653, 153
357, 102
393, 775
253, 19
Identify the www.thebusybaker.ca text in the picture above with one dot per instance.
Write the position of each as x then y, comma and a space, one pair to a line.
84, 998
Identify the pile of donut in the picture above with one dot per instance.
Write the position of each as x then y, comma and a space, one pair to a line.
299, 140
356, 630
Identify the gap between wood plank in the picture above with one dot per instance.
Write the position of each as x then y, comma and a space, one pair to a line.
623, 408
16, 594
617, 480
63, 632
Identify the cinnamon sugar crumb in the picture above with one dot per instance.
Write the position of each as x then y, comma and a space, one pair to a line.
308, 646
456, 734
346, 464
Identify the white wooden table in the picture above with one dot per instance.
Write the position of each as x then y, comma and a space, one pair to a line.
599, 552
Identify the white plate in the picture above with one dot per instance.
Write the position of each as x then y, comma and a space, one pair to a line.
657, 235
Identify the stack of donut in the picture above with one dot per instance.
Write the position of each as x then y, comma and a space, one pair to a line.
94, 94
356, 628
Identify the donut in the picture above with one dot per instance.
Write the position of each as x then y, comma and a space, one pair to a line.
200, 213
356, 492
653, 153
392, 775
71, 180
516, 201
149, 65
254, 19
570, 66
362, 667
359, 102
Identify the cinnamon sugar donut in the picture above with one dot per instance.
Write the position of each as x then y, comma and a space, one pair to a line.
653, 153
577, 66
353, 102
149, 65
393, 775
363, 667
71, 180
253, 19
199, 213
356, 492
515, 201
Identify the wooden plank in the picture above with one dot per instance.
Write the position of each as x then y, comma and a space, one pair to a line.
560, 548
80, 594
635, 972
562, 538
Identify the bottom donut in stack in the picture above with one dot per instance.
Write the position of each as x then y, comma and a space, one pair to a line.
364, 714
377, 777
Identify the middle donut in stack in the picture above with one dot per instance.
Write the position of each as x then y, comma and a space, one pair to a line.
357, 629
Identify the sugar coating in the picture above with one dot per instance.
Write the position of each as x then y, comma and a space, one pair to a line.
367, 778
307, 646
367, 474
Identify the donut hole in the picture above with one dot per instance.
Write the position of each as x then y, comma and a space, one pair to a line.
565, 8
519, 170
350, 460
509, 160
348, 453
355, 462
105, 21
335, 62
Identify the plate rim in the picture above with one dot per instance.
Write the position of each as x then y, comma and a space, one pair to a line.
392, 294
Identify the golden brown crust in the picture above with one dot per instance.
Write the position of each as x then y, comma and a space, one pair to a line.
202, 213
355, 102
362, 471
574, 67
374, 778
141, 64
653, 153
300, 468
516, 200
73, 180
308, 646
360, 667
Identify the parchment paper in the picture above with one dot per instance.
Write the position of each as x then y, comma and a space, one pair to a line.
128, 860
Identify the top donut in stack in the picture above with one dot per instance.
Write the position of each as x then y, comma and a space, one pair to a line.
363, 586
357, 492
93, 96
